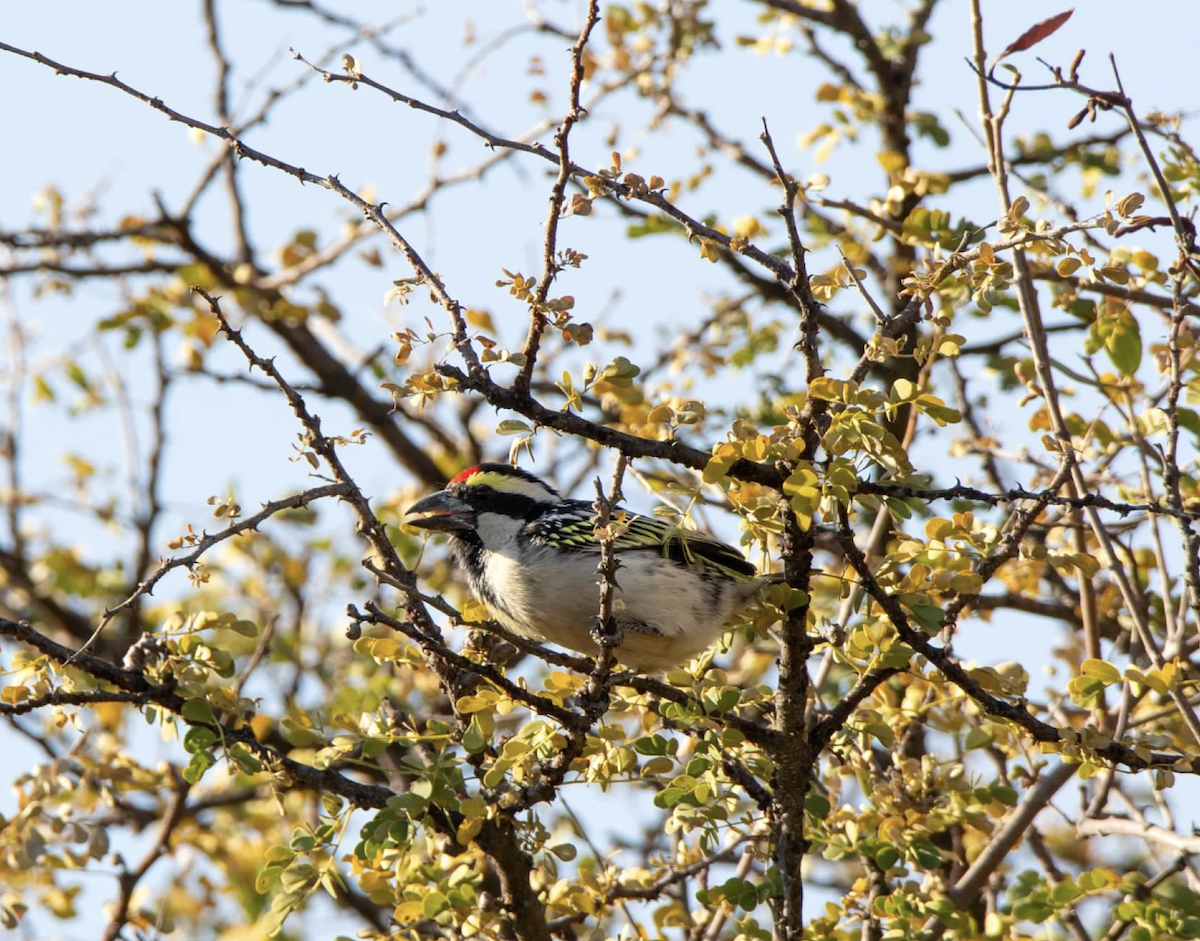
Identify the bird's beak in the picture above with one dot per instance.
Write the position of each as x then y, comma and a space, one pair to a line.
441, 511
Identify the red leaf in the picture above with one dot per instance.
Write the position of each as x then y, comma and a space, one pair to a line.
1035, 34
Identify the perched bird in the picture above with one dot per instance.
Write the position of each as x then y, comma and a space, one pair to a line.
531, 555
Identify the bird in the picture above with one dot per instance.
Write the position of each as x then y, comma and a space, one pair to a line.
531, 555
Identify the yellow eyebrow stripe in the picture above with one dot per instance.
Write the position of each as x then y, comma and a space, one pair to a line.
506, 483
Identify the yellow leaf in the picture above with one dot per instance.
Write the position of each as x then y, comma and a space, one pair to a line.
467, 831
801, 480
1130, 204
715, 469
484, 699
408, 911
803, 509
757, 449
903, 390
938, 528
826, 389
481, 319
988, 678
1068, 266
967, 583
1101, 670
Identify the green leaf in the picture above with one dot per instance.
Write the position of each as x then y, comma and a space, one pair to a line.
653, 225
1036, 912
895, 657
928, 856
474, 740
266, 879
817, 805
298, 877
1188, 419
433, 904
197, 710
1085, 690
620, 372
936, 409
928, 616
279, 854
1004, 794
201, 762
1124, 345
244, 627
886, 856
198, 739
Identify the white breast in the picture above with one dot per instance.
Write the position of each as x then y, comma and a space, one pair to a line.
548, 595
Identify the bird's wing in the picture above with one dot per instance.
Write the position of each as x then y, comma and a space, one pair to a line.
571, 527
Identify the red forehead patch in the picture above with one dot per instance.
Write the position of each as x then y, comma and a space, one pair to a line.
461, 478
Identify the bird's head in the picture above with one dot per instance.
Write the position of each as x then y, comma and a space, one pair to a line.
479, 491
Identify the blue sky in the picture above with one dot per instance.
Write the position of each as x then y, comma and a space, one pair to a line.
85, 138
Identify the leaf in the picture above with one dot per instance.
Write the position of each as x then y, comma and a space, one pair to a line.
408, 911
1004, 794
896, 657
886, 857
801, 479
266, 879
1101, 670
433, 904
1034, 35
904, 390
244, 627
474, 739
201, 762
1124, 346
481, 319
967, 583
936, 409
928, 616
1068, 266
826, 389
620, 372
197, 710
1130, 204
938, 528
11, 695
